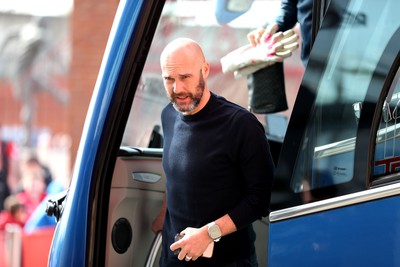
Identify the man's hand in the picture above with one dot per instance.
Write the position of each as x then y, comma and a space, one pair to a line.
158, 222
193, 244
248, 59
260, 33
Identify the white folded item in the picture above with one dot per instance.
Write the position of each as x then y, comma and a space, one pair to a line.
248, 59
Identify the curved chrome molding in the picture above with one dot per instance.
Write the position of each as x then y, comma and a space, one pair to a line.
337, 202
155, 250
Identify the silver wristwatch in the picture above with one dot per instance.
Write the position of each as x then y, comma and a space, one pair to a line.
214, 231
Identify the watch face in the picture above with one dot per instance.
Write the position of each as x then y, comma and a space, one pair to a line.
214, 231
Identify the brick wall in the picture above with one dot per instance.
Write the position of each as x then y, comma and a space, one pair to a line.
91, 25
50, 62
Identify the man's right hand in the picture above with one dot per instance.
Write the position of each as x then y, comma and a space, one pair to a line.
158, 222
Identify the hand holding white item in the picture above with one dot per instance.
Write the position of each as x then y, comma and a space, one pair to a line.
261, 33
248, 59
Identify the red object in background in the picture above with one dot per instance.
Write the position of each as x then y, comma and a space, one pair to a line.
6, 218
36, 247
3, 259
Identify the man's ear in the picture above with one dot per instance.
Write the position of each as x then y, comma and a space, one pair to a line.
206, 69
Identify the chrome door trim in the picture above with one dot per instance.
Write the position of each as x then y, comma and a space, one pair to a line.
337, 202
154, 250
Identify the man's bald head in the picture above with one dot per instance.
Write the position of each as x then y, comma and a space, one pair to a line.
181, 49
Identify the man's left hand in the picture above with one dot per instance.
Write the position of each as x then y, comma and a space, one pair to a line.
193, 244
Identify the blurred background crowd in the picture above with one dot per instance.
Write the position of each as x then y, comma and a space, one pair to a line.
45, 91
50, 54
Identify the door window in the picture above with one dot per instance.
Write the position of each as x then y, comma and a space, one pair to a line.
343, 82
387, 148
218, 34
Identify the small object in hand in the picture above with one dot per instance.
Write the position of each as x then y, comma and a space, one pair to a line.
209, 251
177, 238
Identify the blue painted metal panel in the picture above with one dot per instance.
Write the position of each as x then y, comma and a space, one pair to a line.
362, 235
69, 242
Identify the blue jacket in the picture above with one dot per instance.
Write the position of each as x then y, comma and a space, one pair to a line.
293, 11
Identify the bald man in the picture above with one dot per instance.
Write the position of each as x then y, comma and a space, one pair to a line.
218, 168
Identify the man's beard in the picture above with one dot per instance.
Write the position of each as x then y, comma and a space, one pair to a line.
195, 99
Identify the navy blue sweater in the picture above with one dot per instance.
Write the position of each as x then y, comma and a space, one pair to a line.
216, 162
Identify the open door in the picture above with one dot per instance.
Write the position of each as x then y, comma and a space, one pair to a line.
136, 195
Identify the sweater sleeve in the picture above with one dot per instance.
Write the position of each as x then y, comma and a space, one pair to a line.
257, 170
288, 15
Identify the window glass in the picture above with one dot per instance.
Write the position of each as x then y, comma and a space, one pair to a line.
387, 149
361, 32
218, 36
